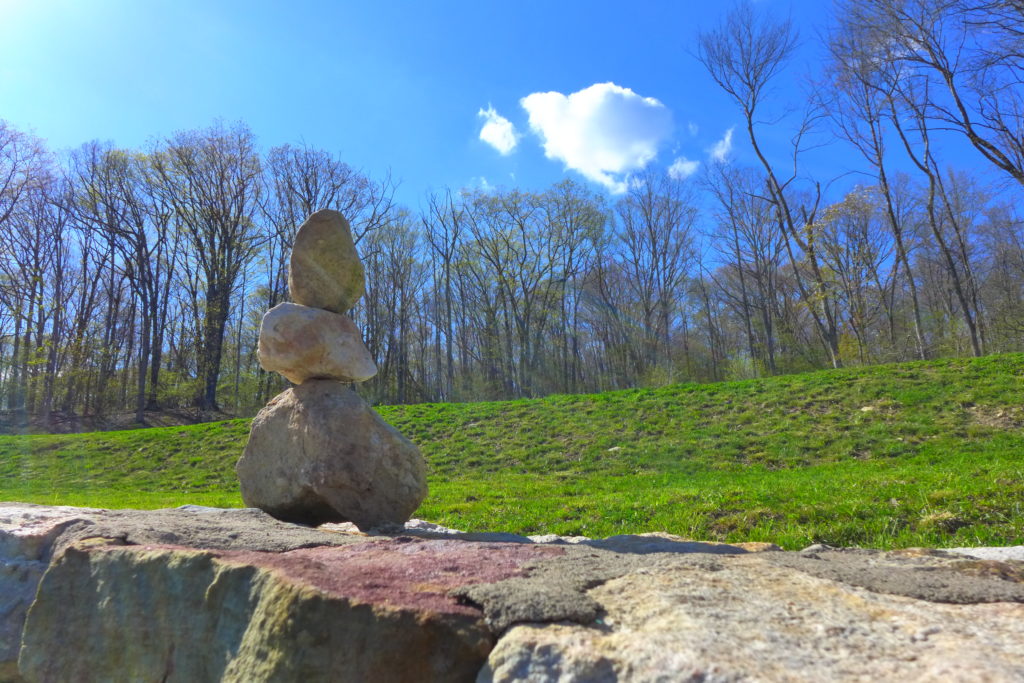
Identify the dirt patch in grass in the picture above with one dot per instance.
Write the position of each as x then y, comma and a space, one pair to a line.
997, 417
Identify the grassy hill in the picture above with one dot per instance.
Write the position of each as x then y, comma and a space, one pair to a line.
928, 453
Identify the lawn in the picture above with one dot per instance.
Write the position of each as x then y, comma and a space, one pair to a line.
928, 453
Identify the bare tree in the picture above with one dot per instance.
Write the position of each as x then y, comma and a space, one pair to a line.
397, 277
748, 236
212, 178
33, 254
23, 165
443, 228
576, 220
971, 52
655, 227
744, 55
862, 88
908, 116
114, 198
854, 249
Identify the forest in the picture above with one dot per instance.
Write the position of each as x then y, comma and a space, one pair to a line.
134, 280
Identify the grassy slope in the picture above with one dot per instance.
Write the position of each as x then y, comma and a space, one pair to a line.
899, 455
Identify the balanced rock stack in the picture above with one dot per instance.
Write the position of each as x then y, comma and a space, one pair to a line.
317, 452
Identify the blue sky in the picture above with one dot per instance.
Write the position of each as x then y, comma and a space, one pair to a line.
400, 86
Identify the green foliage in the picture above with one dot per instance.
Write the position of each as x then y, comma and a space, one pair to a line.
926, 453
177, 390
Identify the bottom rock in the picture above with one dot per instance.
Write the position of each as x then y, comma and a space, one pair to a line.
318, 453
372, 611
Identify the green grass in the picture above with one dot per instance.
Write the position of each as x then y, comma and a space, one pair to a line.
912, 454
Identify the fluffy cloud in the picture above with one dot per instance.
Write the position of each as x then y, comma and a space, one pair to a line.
498, 132
683, 168
604, 131
720, 150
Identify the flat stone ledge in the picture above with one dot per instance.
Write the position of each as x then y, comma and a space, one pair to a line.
196, 593
1002, 554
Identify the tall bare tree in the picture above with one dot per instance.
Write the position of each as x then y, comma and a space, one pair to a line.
212, 178
748, 237
744, 55
862, 84
971, 52
655, 227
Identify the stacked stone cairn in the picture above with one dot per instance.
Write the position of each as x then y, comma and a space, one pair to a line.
317, 452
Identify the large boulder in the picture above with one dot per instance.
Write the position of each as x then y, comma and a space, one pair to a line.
27, 536
318, 453
364, 612
303, 343
31, 535
325, 269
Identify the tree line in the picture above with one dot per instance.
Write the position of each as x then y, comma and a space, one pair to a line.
135, 279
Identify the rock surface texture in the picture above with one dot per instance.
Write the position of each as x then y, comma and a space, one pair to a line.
31, 535
27, 536
309, 343
318, 453
325, 270
198, 594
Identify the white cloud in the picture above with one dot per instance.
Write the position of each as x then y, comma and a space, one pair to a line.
683, 168
692, 127
480, 183
604, 131
498, 132
721, 149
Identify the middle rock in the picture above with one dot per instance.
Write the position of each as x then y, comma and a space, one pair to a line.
304, 343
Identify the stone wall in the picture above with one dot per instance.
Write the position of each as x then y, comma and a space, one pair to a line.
199, 594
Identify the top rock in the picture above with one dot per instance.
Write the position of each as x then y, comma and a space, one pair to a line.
325, 268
